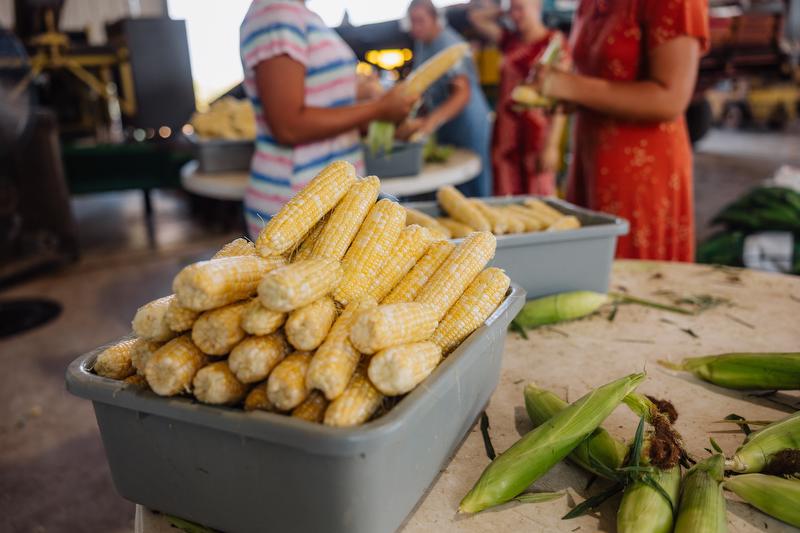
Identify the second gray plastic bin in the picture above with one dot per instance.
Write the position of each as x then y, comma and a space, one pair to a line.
549, 262
255, 472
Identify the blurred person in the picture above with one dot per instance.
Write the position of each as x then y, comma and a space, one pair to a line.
301, 77
526, 151
636, 66
456, 107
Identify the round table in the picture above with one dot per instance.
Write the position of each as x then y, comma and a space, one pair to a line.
462, 166
572, 358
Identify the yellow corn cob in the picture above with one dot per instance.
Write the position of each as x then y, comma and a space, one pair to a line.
136, 380
236, 248
254, 358
219, 330
179, 318
460, 209
498, 222
565, 223
306, 248
115, 361
257, 400
346, 218
172, 367
457, 272
399, 369
286, 386
391, 325
336, 359
312, 408
215, 384
412, 283
434, 68
411, 244
150, 320
414, 216
299, 284
356, 404
457, 229
527, 216
480, 299
515, 224
369, 250
143, 349
543, 210
209, 284
305, 209
258, 320
308, 326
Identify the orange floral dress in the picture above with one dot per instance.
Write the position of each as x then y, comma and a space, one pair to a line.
636, 170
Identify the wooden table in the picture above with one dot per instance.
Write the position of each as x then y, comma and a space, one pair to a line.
572, 358
462, 166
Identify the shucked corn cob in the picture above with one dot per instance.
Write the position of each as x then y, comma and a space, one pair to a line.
336, 359
533, 455
312, 409
410, 285
497, 220
760, 447
236, 248
308, 326
141, 352
306, 248
479, 300
414, 216
356, 404
257, 400
215, 384
286, 385
515, 223
346, 219
216, 332
531, 222
461, 209
702, 505
172, 367
775, 496
299, 284
450, 280
391, 325
764, 371
210, 284
254, 358
457, 229
150, 321
411, 244
565, 223
305, 209
434, 68
544, 211
179, 318
115, 361
399, 369
258, 320
370, 248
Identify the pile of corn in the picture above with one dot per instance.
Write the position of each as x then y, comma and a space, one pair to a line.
227, 118
336, 306
466, 215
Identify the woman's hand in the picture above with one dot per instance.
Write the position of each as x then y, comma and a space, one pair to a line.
395, 105
415, 127
550, 159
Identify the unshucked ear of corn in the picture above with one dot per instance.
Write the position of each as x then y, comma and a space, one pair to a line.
542, 405
760, 447
644, 509
775, 496
538, 451
559, 307
745, 371
702, 504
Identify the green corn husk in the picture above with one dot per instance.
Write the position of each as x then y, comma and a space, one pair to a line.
745, 371
775, 496
702, 506
759, 447
542, 405
538, 451
644, 509
559, 307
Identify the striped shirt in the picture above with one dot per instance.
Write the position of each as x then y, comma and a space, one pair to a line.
276, 27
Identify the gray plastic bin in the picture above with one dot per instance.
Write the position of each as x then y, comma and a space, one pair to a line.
222, 155
243, 472
405, 160
551, 262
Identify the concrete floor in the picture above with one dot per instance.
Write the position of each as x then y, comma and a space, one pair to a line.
53, 472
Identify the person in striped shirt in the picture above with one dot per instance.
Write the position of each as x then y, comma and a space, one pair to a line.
301, 78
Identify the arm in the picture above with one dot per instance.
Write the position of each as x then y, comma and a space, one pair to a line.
551, 154
663, 96
281, 88
484, 20
455, 103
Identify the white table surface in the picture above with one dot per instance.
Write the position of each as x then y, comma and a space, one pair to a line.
462, 166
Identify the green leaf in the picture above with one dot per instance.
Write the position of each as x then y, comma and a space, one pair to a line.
593, 502
604, 470
636, 447
742, 423
538, 497
516, 327
625, 298
715, 445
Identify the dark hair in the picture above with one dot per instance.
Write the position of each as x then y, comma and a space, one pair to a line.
426, 5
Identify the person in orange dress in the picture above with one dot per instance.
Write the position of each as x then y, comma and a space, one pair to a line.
525, 143
636, 64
